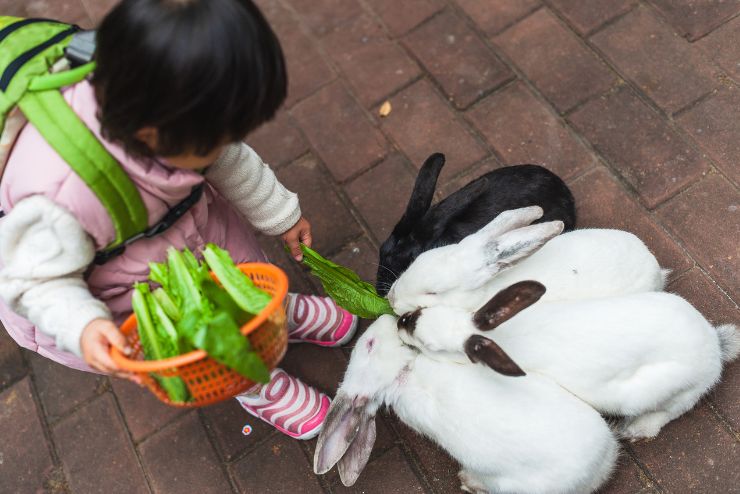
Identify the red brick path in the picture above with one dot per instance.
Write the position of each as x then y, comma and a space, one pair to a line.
635, 103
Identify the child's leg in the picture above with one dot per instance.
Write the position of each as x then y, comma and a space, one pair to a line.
318, 320
288, 404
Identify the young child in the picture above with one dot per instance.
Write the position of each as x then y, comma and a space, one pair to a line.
178, 85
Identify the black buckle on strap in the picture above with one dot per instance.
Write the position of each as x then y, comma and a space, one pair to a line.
169, 219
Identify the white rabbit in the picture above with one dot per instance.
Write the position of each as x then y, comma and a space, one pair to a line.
511, 435
580, 264
649, 356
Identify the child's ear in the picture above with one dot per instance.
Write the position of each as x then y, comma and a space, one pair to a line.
149, 136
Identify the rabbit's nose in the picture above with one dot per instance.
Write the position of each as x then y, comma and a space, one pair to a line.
408, 321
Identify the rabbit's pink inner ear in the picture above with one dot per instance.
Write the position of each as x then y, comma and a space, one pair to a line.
507, 303
339, 430
355, 459
481, 349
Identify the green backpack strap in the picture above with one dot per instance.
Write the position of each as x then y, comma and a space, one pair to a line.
25, 81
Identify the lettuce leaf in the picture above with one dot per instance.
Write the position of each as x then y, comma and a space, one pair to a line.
345, 287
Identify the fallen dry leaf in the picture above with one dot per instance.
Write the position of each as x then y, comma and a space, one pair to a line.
385, 109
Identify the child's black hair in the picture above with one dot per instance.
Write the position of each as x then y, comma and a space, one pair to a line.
202, 72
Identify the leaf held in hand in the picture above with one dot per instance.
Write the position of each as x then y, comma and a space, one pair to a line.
345, 287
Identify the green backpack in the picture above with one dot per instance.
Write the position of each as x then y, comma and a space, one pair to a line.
29, 48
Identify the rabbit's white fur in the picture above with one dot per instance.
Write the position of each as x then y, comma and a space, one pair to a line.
648, 357
511, 435
580, 264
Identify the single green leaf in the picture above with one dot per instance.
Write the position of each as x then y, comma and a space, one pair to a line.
167, 304
183, 281
345, 287
159, 273
220, 338
241, 288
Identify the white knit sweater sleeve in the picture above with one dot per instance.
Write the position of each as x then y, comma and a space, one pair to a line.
252, 187
44, 252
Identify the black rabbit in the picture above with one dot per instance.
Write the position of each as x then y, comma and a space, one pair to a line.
467, 210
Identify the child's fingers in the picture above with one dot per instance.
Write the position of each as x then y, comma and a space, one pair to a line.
306, 237
295, 249
116, 339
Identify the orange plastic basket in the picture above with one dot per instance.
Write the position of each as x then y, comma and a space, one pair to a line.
209, 381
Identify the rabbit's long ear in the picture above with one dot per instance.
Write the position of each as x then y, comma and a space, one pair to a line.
422, 195
481, 349
507, 303
435, 222
505, 250
511, 220
357, 455
339, 430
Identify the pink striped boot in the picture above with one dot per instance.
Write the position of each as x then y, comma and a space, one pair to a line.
289, 405
319, 320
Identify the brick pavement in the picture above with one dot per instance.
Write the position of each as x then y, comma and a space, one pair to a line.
635, 103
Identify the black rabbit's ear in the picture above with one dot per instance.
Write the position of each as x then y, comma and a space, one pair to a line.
507, 303
481, 349
422, 195
435, 222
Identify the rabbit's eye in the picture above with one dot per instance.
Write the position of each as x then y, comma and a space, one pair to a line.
430, 293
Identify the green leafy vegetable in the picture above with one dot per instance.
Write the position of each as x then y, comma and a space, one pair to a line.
240, 286
156, 340
345, 287
219, 336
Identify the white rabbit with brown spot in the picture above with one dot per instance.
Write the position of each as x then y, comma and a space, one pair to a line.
648, 357
514, 435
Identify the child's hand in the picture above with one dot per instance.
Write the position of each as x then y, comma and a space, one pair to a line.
299, 234
95, 342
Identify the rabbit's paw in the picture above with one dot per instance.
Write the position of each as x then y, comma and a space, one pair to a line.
471, 483
645, 426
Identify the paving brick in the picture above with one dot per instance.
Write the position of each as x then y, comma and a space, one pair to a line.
522, 129
390, 474
225, 421
588, 16
666, 67
323, 114
722, 47
72, 11
455, 56
554, 60
692, 454
439, 469
381, 194
322, 16
421, 123
12, 366
277, 466
374, 65
602, 203
360, 256
652, 157
715, 124
317, 366
706, 219
493, 16
332, 226
401, 17
95, 451
279, 141
307, 68
180, 459
97, 9
142, 411
724, 396
696, 287
60, 388
25, 461
695, 18
627, 479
